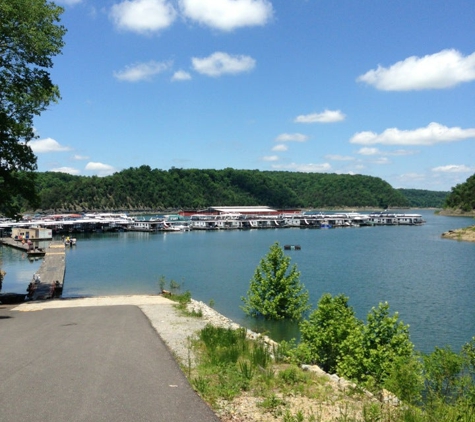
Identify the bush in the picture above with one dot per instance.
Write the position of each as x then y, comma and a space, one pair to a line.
324, 333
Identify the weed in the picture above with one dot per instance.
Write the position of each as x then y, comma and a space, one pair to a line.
273, 404
298, 417
161, 283
372, 413
246, 370
260, 355
201, 385
174, 285
292, 375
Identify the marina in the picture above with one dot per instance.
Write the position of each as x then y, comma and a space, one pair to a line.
215, 218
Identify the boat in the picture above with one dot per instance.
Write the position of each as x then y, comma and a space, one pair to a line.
70, 241
37, 252
292, 247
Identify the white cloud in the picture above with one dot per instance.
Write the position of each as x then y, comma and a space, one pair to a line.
453, 168
100, 169
220, 63
142, 71
376, 151
336, 157
411, 177
433, 134
291, 137
80, 157
401, 152
304, 168
227, 15
280, 148
437, 71
47, 145
143, 16
381, 160
68, 170
328, 116
368, 151
270, 158
181, 75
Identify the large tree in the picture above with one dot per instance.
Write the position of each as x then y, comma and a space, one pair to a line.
30, 36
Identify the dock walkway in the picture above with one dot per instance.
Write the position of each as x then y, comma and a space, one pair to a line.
51, 274
17, 244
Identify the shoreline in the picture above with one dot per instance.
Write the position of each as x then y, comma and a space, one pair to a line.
466, 234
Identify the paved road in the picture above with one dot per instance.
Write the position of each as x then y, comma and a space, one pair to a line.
90, 364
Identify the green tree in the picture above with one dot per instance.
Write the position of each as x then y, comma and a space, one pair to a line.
275, 291
325, 333
443, 369
385, 339
462, 196
381, 349
29, 38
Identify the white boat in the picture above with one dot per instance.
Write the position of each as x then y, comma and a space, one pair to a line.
70, 241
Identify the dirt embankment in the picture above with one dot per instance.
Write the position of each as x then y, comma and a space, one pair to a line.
466, 234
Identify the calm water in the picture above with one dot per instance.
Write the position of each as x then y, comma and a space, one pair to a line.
428, 280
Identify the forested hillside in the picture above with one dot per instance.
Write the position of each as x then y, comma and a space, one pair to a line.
462, 196
419, 198
144, 188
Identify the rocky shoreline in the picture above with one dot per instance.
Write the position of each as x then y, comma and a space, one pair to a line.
466, 234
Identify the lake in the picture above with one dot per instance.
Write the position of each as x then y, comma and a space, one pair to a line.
428, 280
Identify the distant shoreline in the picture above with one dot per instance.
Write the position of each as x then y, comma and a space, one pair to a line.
449, 212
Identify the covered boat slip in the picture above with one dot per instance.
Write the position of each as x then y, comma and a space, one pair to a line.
216, 218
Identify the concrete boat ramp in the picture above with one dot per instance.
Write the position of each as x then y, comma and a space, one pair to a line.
95, 359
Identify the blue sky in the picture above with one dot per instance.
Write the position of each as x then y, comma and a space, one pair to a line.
381, 88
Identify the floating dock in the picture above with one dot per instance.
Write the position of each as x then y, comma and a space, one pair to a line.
50, 276
17, 244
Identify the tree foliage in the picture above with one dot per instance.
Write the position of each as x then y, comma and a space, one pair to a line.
370, 353
29, 38
275, 291
420, 198
144, 188
462, 196
327, 329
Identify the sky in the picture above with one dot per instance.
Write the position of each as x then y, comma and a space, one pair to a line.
379, 88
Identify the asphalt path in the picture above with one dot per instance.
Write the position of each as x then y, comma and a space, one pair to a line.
90, 364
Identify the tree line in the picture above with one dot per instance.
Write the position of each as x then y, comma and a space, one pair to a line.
462, 196
144, 188
420, 198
